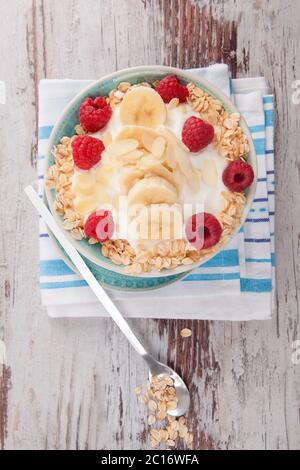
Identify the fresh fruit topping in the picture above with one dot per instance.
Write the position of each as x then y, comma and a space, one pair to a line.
163, 146
163, 172
86, 151
100, 225
158, 222
152, 190
238, 175
203, 230
94, 114
130, 178
169, 88
142, 106
197, 134
209, 173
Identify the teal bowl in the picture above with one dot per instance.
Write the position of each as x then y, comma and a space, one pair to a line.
105, 271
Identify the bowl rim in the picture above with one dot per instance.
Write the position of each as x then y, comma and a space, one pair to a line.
118, 76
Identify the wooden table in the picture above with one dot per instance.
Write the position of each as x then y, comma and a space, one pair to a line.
68, 384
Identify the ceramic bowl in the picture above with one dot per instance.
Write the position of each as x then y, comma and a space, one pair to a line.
107, 272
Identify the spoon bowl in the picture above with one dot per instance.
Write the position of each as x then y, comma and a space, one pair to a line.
156, 368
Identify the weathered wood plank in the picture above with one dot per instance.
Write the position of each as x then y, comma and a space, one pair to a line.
72, 380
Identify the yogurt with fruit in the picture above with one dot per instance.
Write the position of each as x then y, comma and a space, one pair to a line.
150, 165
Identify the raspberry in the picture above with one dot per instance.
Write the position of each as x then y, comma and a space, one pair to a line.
197, 134
94, 114
86, 151
100, 225
238, 175
169, 88
203, 230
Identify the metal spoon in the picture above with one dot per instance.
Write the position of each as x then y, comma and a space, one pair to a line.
156, 368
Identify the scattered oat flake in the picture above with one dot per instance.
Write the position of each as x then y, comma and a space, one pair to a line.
170, 443
152, 405
151, 420
155, 434
137, 390
185, 333
154, 444
143, 398
163, 435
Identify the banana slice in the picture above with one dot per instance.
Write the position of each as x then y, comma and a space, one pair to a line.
142, 106
209, 173
130, 178
152, 190
163, 172
158, 222
84, 183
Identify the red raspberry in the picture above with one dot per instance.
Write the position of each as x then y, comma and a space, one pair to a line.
86, 151
94, 114
197, 134
100, 225
238, 175
169, 88
203, 230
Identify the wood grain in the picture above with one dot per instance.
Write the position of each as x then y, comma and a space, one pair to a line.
67, 384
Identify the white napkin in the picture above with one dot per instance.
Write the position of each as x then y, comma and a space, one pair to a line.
237, 284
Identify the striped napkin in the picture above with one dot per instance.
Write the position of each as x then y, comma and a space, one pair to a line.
237, 284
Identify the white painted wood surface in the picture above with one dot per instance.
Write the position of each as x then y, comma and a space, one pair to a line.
68, 383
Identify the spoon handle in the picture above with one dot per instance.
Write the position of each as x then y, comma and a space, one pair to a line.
84, 270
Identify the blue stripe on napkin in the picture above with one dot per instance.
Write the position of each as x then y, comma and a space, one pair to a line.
63, 285
226, 258
54, 267
259, 145
212, 277
256, 285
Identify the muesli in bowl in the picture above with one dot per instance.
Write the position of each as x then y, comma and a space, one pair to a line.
154, 175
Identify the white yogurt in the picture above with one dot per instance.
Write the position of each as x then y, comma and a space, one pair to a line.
207, 199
